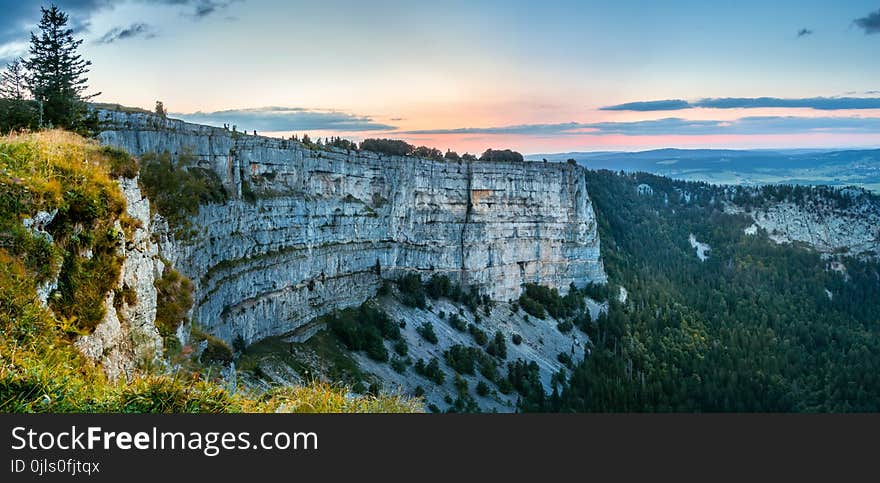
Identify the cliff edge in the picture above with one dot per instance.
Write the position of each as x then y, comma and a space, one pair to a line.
305, 231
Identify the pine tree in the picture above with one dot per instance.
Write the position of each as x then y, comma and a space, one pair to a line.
16, 111
57, 79
13, 81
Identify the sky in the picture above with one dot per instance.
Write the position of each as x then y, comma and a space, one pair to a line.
535, 76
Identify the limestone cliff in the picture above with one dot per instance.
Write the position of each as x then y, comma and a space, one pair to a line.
324, 226
826, 225
127, 337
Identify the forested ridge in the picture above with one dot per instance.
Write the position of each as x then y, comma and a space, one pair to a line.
751, 328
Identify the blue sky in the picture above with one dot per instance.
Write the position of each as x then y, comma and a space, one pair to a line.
535, 76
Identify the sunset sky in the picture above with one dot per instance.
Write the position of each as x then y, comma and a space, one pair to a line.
536, 76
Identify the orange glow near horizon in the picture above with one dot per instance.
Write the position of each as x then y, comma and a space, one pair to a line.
477, 143
482, 115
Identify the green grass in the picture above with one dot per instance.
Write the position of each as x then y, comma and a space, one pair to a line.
60, 172
321, 397
337, 364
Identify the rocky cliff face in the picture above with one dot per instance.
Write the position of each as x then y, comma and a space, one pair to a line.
323, 227
856, 234
127, 337
823, 224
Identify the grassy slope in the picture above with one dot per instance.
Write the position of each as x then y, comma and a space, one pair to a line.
40, 370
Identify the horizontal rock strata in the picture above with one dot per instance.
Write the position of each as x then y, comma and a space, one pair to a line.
324, 227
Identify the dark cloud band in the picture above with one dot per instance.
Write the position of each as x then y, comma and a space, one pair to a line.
819, 103
679, 126
644, 106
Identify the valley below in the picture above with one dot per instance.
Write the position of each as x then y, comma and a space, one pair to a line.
744, 167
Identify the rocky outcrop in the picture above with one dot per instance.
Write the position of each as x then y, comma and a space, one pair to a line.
37, 226
821, 223
127, 337
825, 231
306, 231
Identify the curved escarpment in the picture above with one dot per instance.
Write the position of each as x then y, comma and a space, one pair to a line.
306, 231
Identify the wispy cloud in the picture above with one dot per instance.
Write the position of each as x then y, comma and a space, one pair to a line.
524, 129
122, 33
818, 103
663, 105
679, 126
206, 8
288, 119
869, 23
20, 17
804, 32
199, 9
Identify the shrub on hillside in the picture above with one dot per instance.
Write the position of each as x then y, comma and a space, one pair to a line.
426, 330
565, 326
216, 352
173, 300
525, 378
412, 293
532, 307
177, 189
487, 366
482, 389
400, 347
398, 364
461, 359
497, 346
431, 370
479, 336
438, 286
364, 329
457, 323
120, 163
565, 358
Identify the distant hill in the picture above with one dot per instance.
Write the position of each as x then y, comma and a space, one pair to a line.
800, 166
